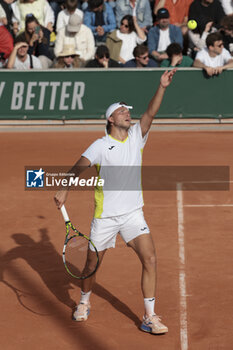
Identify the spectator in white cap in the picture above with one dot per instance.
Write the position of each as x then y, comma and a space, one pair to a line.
120, 211
78, 35
64, 15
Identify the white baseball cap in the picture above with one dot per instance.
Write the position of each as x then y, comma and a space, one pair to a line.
114, 107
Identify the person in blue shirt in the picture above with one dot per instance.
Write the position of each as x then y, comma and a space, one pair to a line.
142, 11
162, 35
141, 60
100, 18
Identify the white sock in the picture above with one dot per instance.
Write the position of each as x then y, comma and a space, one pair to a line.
85, 297
149, 304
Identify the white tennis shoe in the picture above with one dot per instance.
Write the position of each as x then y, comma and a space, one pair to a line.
152, 324
82, 312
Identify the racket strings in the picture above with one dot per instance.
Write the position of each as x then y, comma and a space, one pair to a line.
76, 254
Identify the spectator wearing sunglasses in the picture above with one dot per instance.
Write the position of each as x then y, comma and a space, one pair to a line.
141, 58
68, 59
102, 59
214, 59
141, 8
100, 18
20, 59
121, 42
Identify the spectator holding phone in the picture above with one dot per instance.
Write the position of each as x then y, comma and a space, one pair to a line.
39, 8
38, 39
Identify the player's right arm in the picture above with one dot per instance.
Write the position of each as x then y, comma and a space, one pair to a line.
156, 101
82, 164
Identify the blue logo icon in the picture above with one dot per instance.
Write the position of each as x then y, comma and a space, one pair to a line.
35, 178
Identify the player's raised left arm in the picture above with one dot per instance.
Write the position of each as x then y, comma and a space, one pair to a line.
155, 102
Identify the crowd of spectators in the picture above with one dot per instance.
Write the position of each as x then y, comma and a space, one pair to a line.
57, 34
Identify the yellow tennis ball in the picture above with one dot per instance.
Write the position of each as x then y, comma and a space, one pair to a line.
192, 24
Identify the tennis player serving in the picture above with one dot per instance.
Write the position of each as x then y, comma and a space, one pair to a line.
121, 211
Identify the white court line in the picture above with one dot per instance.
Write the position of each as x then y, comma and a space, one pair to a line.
182, 276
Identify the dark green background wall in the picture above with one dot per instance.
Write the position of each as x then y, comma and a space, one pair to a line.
80, 94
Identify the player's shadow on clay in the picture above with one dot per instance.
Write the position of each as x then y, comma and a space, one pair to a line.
47, 262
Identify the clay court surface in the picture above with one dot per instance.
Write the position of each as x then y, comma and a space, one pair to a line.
192, 232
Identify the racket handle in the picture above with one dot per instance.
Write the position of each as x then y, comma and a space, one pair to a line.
64, 213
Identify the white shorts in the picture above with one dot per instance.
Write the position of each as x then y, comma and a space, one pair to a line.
104, 231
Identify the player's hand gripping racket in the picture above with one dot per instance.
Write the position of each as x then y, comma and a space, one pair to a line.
80, 256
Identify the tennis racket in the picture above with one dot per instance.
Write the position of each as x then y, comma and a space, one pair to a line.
80, 255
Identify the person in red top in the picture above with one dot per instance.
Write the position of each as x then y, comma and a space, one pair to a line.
6, 44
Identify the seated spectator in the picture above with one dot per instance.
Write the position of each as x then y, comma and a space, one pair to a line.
100, 18
112, 3
3, 19
205, 11
6, 44
143, 12
39, 8
38, 38
215, 58
57, 6
84, 4
197, 41
227, 6
20, 59
121, 42
176, 58
64, 15
141, 58
178, 11
227, 32
162, 35
6, 39
5, 4
78, 35
102, 59
68, 59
